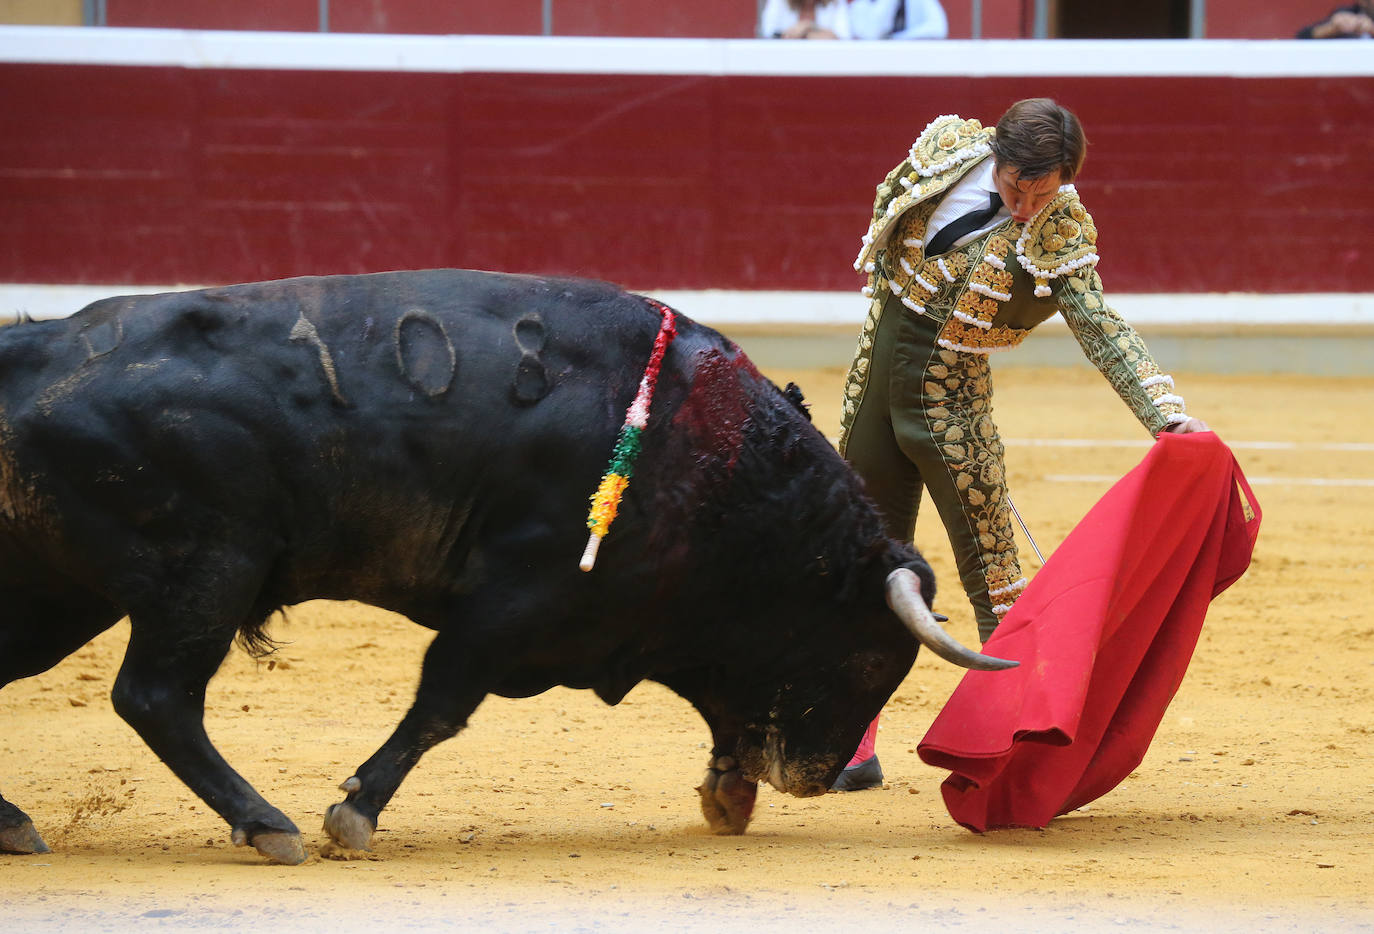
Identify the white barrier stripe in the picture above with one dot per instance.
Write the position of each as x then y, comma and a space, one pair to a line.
1238, 58
1253, 481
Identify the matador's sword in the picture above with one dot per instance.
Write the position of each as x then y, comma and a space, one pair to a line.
1022, 523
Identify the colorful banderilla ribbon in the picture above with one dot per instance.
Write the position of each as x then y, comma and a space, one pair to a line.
606, 500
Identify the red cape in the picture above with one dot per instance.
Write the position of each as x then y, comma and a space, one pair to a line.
1104, 634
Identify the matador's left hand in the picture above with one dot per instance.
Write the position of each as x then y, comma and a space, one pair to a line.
1191, 425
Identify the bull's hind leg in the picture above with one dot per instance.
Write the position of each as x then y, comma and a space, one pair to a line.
17, 834
160, 692
37, 633
443, 702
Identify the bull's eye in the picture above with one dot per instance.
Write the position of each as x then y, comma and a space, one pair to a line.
867, 667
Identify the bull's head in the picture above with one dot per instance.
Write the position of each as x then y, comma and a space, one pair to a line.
800, 668
817, 714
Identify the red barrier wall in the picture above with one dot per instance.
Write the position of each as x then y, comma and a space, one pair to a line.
645, 18
1001, 19
649, 18
171, 175
298, 15
506, 17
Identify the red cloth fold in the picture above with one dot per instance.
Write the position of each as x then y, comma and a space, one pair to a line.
1104, 634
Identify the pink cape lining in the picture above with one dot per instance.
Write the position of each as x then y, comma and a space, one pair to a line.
1104, 634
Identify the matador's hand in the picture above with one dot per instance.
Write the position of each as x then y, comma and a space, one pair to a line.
1191, 425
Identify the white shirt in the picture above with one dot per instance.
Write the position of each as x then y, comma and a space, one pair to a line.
874, 19
777, 17
970, 193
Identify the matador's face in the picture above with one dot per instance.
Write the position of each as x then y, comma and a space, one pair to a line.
1025, 197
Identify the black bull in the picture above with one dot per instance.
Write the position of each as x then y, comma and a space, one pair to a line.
427, 442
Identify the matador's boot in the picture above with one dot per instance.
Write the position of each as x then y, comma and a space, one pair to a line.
863, 771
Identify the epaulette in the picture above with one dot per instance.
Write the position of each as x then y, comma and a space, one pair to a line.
1058, 240
946, 142
944, 151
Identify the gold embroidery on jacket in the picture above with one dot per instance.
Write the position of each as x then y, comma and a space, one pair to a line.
958, 408
946, 150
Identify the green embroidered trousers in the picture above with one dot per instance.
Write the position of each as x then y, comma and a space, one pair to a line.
925, 422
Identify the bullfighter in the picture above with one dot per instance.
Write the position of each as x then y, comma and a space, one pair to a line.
976, 237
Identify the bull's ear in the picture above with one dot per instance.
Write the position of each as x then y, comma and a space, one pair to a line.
926, 575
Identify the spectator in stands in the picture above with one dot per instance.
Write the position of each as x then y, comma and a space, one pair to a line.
805, 19
1355, 21
897, 19
853, 19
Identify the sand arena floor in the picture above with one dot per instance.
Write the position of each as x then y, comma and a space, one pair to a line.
1251, 811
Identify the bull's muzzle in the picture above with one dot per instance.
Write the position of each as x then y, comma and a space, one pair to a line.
790, 777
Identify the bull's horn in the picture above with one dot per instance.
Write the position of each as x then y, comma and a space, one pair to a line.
904, 596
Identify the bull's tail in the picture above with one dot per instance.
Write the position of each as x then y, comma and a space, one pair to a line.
252, 636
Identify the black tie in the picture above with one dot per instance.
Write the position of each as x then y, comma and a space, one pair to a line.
966, 224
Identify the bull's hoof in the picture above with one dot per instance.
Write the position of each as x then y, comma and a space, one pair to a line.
347, 827
22, 839
727, 800
280, 847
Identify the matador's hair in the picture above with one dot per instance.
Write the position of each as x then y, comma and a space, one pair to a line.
1038, 137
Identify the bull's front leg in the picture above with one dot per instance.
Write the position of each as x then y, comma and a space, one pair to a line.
440, 710
727, 797
160, 692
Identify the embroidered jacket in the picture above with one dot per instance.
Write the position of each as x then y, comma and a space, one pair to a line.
990, 293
